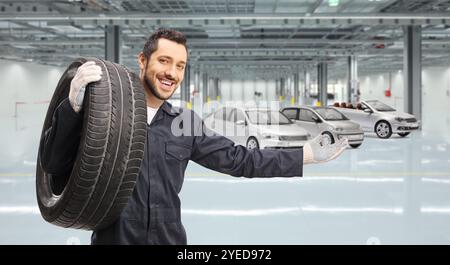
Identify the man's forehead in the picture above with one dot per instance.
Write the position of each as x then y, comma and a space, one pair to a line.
171, 49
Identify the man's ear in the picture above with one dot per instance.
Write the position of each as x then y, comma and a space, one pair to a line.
142, 61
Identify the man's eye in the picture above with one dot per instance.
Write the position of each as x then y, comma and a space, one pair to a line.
180, 67
162, 60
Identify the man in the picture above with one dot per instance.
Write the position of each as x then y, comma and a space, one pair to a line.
152, 215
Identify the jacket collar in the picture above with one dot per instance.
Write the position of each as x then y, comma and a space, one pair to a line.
169, 109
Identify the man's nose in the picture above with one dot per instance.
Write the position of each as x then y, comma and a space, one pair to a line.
171, 72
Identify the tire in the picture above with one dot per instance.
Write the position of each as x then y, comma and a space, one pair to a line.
383, 129
329, 136
355, 145
252, 143
404, 134
109, 155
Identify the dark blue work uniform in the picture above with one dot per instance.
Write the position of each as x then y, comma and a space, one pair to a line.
152, 215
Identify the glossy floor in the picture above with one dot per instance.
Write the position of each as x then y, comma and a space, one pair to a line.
394, 191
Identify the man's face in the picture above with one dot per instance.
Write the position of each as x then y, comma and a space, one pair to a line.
164, 71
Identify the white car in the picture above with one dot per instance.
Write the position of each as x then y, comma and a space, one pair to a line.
257, 128
375, 116
327, 121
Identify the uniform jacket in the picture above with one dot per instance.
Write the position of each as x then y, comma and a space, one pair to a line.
175, 136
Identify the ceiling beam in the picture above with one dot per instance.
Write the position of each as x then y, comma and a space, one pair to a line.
133, 16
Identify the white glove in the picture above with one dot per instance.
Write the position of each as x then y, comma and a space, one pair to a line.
87, 73
314, 151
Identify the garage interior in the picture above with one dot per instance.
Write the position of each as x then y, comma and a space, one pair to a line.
312, 52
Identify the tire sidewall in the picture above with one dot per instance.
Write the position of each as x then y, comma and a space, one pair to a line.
254, 139
388, 125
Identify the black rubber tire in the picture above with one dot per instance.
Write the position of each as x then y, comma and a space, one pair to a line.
110, 152
256, 141
355, 145
404, 134
389, 133
330, 135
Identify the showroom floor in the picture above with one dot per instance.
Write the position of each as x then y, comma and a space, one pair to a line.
393, 191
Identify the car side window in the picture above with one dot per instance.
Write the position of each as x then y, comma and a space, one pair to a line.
240, 115
306, 115
220, 114
290, 113
230, 114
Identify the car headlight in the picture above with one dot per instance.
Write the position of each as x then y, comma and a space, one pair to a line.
399, 119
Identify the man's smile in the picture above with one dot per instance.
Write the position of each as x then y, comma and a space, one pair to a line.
166, 84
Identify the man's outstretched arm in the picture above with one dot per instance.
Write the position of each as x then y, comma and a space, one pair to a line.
219, 153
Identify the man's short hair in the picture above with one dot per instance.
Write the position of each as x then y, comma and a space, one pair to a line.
152, 43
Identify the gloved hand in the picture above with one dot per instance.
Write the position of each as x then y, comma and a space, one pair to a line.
314, 151
86, 73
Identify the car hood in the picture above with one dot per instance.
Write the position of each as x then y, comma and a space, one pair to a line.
400, 114
288, 129
345, 125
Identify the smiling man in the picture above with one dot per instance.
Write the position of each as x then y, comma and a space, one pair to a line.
153, 213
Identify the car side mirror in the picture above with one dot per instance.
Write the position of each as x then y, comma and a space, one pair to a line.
240, 122
367, 110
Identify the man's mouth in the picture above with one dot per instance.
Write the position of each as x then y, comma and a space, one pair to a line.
166, 84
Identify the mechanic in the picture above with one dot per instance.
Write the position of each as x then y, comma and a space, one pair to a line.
152, 215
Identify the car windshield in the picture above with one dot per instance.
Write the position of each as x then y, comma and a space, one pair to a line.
379, 105
267, 117
330, 114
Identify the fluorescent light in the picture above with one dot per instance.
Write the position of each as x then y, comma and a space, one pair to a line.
333, 2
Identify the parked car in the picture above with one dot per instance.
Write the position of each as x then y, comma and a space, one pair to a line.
375, 116
327, 121
257, 128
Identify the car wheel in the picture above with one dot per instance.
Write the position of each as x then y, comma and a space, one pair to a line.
109, 155
252, 143
383, 129
355, 145
328, 138
404, 134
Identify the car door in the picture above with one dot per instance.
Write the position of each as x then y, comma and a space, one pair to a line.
306, 121
218, 123
242, 129
365, 119
230, 126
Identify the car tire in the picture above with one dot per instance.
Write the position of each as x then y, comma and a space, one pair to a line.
355, 145
252, 143
383, 129
109, 155
404, 134
329, 137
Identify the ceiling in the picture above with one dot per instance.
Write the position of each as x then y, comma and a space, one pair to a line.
265, 38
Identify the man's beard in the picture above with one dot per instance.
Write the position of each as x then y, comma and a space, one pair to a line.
152, 88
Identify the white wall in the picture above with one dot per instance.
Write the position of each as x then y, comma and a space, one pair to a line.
436, 99
25, 82
374, 86
238, 90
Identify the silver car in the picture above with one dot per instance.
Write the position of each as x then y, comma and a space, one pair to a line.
257, 128
375, 116
327, 121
